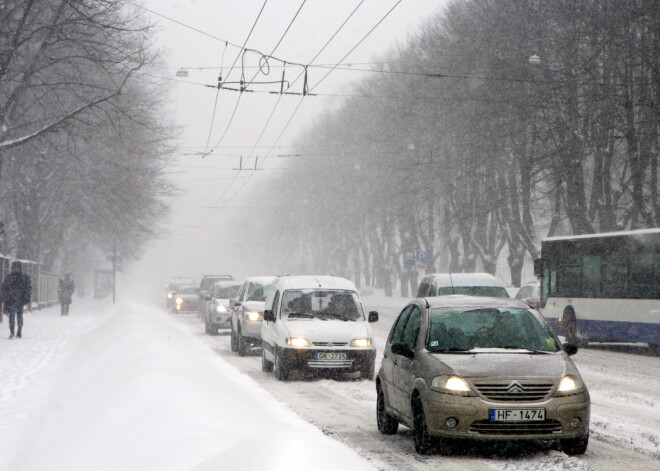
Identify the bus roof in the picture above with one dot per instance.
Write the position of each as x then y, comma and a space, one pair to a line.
605, 234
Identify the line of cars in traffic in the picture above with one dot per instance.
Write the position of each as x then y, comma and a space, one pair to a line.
462, 361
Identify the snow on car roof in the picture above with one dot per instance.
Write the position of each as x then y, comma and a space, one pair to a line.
224, 283
265, 280
606, 234
459, 300
465, 279
313, 281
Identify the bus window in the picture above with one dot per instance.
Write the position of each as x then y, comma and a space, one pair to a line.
641, 276
615, 276
591, 276
569, 278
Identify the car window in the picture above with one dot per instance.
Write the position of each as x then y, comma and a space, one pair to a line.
433, 291
257, 292
524, 292
423, 289
225, 292
400, 324
343, 305
412, 327
467, 329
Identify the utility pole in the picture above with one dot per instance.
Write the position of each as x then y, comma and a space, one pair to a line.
114, 269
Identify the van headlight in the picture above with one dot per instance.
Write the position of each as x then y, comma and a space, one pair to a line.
569, 385
220, 308
179, 300
253, 316
451, 385
297, 342
362, 343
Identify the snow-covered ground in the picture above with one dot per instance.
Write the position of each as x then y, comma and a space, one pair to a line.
127, 387
134, 387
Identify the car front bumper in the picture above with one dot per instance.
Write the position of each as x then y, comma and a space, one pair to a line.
307, 359
472, 414
220, 320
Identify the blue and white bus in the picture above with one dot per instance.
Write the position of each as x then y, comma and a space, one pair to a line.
602, 287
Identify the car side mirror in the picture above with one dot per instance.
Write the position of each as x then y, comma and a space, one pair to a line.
207, 297
570, 348
233, 302
269, 316
400, 348
373, 316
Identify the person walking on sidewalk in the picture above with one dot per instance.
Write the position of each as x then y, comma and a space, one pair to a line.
16, 293
65, 291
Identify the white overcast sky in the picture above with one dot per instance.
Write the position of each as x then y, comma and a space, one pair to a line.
195, 231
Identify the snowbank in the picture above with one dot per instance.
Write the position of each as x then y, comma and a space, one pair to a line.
139, 392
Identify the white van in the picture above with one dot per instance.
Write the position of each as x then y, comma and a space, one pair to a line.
316, 323
471, 284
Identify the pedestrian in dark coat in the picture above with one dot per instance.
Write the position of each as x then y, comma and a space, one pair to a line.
65, 291
16, 293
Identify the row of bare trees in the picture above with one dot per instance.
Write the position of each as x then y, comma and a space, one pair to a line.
82, 139
499, 123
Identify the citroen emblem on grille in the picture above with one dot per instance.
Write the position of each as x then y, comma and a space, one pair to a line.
515, 388
330, 344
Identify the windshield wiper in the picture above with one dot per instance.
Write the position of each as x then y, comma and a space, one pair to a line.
339, 316
530, 350
451, 350
301, 314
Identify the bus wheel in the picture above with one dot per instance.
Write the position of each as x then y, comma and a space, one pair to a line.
570, 326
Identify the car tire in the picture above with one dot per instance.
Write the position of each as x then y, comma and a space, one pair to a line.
423, 441
266, 366
387, 423
280, 369
368, 371
571, 328
243, 345
234, 340
574, 446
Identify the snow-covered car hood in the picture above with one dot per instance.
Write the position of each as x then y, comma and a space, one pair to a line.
257, 306
553, 365
316, 330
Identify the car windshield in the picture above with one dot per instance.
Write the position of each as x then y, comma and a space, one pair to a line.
257, 292
494, 291
186, 290
468, 329
226, 291
208, 282
340, 305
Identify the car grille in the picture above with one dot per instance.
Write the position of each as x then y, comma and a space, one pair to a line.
330, 363
514, 391
330, 344
527, 428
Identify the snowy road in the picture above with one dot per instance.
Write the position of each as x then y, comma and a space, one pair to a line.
625, 391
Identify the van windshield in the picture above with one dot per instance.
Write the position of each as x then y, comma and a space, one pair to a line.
342, 305
494, 291
490, 328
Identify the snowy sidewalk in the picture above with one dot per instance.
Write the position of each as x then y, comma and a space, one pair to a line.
129, 388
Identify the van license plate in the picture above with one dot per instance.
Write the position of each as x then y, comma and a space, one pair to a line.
516, 415
330, 356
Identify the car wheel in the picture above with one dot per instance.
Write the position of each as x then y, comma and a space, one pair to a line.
280, 369
243, 345
387, 423
368, 371
571, 327
266, 366
234, 341
574, 446
423, 442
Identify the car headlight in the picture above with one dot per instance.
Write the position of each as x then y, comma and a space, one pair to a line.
451, 385
253, 316
169, 295
569, 385
220, 308
298, 342
363, 343
179, 300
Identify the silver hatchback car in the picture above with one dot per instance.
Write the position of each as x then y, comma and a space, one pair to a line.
462, 367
